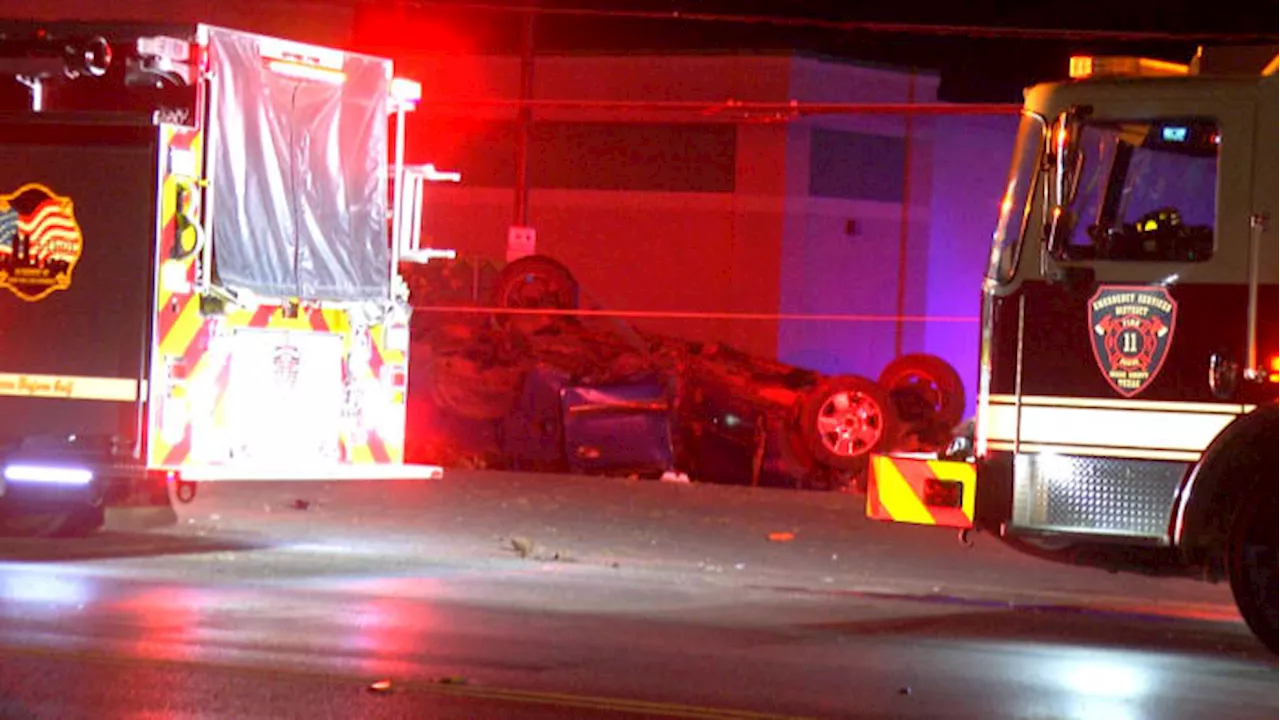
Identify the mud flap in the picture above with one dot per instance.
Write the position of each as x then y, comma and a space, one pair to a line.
922, 490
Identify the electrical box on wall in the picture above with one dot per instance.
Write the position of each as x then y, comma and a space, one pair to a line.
521, 241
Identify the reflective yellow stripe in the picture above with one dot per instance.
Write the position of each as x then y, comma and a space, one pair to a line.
263, 472
1127, 428
183, 332
1121, 404
1084, 450
1108, 426
896, 495
74, 387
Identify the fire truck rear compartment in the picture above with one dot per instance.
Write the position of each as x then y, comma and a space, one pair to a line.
72, 361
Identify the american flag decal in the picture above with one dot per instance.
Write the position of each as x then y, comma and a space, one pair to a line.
52, 232
8, 228
40, 242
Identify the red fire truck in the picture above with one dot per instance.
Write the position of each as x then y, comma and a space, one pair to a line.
1127, 403
198, 267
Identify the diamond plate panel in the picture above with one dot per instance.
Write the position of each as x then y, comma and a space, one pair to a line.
1092, 495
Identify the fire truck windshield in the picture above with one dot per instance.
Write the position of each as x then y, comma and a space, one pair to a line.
1023, 173
1146, 191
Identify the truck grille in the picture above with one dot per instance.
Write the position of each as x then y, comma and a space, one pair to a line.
1096, 496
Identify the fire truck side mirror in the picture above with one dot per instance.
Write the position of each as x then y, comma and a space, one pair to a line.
1058, 229
1067, 156
1224, 375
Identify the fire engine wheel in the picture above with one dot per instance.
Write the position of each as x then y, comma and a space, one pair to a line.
1251, 567
844, 419
534, 281
920, 383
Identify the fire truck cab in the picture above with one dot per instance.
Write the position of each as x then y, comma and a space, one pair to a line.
1127, 409
199, 267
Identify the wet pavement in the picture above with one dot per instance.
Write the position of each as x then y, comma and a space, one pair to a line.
502, 595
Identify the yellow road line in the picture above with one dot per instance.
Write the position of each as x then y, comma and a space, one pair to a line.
641, 707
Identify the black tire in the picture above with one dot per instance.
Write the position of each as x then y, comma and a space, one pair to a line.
844, 419
920, 383
1251, 567
534, 281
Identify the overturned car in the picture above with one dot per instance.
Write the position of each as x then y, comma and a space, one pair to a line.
512, 372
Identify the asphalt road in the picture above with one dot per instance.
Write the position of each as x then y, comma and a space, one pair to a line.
490, 595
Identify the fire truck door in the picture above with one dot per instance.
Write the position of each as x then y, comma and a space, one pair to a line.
1142, 283
77, 234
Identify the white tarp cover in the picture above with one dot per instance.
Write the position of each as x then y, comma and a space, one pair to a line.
299, 183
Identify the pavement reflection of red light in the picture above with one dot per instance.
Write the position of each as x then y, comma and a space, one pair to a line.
388, 624
384, 633
168, 621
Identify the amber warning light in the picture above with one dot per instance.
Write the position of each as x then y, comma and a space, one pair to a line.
1274, 369
1086, 66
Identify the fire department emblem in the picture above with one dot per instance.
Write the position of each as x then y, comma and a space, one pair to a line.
1131, 328
40, 242
285, 360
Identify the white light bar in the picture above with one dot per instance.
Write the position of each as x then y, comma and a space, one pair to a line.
405, 90
425, 255
264, 472
170, 49
47, 475
430, 172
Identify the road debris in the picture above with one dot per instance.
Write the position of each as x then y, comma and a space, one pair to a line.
528, 549
380, 686
521, 546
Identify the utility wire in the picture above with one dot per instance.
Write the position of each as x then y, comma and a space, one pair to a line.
972, 31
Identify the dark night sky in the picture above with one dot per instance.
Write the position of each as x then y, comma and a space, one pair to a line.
972, 69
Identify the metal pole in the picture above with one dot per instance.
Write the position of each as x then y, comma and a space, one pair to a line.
524, 118
1257, 226
905, 230
397, 202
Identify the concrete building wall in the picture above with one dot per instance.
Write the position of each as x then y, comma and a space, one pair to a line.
650, 211
766, 243
970, 165
861, 193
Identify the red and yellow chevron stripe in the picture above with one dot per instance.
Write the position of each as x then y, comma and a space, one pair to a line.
191, 422
922, 491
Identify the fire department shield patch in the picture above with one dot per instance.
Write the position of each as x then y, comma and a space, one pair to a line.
40, 242
1131, 328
